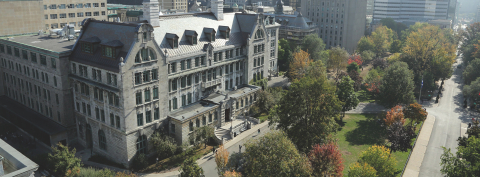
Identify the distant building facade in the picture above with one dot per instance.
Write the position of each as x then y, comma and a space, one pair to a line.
30, 20
181, 5
295, 27
477, 14
58, 13
410, 11
341, 22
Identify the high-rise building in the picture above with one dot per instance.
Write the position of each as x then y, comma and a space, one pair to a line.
21, 17
181, 5
410, 11
477, 14
341, 22
58, 13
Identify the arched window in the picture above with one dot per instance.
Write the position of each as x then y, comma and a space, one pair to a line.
102, 140
145, 54
142, 144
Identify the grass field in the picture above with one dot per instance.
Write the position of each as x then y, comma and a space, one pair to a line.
359, 132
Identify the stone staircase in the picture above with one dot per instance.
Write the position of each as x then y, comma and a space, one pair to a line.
224, 134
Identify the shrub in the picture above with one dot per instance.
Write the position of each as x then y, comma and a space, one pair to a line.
139, 162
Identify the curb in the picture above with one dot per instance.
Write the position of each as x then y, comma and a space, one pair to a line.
412, 166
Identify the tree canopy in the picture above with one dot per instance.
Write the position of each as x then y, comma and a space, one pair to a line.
346, 94
326, 159
466, 162
298, 66
63, 162
397, 85
337, 60
314, 46
379, 158
365, 44
382, 38
190, 168
472, 71
307, 111
275, 155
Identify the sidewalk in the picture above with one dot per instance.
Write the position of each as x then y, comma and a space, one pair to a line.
418, 152
210, 156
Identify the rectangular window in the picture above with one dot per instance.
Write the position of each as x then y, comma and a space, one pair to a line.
54, 63
53, 16
103, 12
138, 96
64, 15
155, 93
148, 117
197, 61
43, 60
112, 120
182, 65
174, 84
79, 5
189, 98
96, 14
175, 105
79, 14
147, 95
146, 76
88, 14
184, 100
25, 54
173, 67
56, 99
189, 63
95, 4
2, 48
108, 52
138, 78
154, 74
117, 121
140, 119
17, 52
9, 50
156, 113
102, 115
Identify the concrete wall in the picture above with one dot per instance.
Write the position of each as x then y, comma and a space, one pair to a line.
19, 17
355, 16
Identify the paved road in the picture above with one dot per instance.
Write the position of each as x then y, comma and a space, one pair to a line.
209, 166
449, 116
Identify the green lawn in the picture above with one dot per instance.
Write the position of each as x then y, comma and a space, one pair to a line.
263, 118
359, 132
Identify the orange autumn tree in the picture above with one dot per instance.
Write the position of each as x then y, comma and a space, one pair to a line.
395, 114
298, 67
232, 174
415, 112
221, 158
355, 58
326, 160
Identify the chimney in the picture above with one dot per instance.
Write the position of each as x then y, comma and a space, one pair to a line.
217, 9
151, 12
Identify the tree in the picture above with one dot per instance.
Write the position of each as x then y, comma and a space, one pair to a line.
63, 162
165, 146
326, 160
284, 54
379, 63
353, 66
365, 44
472, 71
190, 168
396, 46
399, 136
139, 162
265, 100
314, 46
232, 174
362, 170
472, 90
337, 60
355, 76
355, 58
307, 111
469, 38
298, 67
428, 50
379, 158
415, 113
395, 114
382, 38
275, 155
389, 23
221, 158
367, 55
466, 162
397, 85
346, 94
373, 81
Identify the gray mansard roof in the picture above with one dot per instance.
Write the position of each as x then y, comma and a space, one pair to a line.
241, 25
113, 34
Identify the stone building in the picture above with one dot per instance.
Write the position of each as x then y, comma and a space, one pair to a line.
58, 13
341, 22
35, 93
21, 17
295, 27
173, 72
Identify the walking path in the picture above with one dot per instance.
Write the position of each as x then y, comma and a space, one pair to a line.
418, 153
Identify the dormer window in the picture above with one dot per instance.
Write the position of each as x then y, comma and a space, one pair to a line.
87, 45
225, 31
259, 34
210, 34
172, 40
111, 48
191, 36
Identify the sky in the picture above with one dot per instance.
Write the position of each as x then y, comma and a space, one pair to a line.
468, 6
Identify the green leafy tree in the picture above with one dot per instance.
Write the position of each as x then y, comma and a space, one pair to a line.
389, 23
397, 85
346, 94
379, 158
355, 76
472, 71
314, 46
165, 146
190, 168
362, 170
382, 38
337, 60
275, 155
139, 162
469, 38
284, 54
473, 90
367, 55
396, 46
353, 67
307, 111
466, 162
365, 44
63, 162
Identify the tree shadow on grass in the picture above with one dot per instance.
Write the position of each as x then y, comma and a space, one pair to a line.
368, 132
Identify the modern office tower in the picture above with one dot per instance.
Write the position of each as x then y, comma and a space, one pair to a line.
58, 13
410, 11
